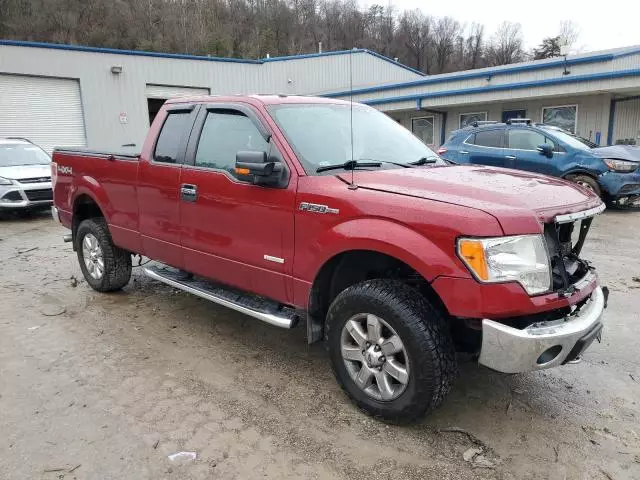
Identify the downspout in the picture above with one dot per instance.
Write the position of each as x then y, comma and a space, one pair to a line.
612, 114
443, 129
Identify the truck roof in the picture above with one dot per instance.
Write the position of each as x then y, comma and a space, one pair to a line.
263, 99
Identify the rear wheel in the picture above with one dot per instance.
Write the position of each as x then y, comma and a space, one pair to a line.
390, 350
587, 182
105, 267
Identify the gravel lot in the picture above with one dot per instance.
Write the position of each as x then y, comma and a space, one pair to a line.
101, 386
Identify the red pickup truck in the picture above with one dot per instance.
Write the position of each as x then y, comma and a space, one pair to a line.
295, 208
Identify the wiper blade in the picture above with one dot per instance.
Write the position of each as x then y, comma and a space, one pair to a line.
424, 161
348, 165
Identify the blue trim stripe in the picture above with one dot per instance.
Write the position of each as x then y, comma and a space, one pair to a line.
142, 53
115, 51
473, 74
506, 86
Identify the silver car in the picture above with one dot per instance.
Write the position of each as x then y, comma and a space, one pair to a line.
25, 175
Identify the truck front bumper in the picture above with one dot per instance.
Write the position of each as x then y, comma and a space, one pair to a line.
544, 344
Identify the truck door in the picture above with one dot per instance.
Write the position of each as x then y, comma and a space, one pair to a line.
159, 185
523, 144
233, 231
486, 147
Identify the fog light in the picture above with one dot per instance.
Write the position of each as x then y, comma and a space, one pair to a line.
549, 354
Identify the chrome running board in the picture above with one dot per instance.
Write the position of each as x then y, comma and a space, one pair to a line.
261, 308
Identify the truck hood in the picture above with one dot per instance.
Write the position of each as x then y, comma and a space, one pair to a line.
518, 200
26, 171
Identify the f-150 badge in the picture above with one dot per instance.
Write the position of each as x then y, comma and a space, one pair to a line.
315, 208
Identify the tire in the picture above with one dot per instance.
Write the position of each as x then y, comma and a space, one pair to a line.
428, 353
116, 262
587, 182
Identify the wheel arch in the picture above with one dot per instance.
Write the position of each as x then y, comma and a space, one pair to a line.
84, 206
353, 266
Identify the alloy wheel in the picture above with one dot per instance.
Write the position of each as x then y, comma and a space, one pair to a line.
375, 357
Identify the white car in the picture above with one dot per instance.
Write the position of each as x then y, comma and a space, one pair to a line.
25, 176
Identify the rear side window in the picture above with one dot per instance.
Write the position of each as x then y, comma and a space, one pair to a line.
527, 139
488, 138
171, 136
225, 133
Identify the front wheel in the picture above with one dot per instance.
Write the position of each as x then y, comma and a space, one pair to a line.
587, 182
390, 350
105, 267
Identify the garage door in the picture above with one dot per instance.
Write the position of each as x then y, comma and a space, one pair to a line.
165, 92
47, 111
158, 94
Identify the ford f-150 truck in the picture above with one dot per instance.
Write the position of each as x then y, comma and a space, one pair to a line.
294, 209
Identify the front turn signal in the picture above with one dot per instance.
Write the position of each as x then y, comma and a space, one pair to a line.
472, 253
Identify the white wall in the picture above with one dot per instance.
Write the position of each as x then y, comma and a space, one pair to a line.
105, 96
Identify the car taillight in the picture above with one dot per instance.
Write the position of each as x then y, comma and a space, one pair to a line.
54, 174
442, 150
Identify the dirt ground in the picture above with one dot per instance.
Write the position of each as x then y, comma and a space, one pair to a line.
107, 386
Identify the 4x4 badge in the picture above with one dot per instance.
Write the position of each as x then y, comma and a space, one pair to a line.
316, 208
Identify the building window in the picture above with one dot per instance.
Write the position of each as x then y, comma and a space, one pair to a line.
564, 116
423, 128
469, 118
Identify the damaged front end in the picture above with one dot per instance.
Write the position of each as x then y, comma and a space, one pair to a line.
558, 336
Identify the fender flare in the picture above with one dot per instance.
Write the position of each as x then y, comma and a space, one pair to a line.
388, 237
90, 187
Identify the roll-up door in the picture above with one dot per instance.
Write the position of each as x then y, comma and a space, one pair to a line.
45, 110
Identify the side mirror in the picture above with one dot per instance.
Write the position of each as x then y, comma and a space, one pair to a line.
545, 149
256, 164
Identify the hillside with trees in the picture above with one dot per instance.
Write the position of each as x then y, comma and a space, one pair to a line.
255, 28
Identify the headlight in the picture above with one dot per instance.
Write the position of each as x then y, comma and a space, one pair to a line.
521, 258
5, 181
621, 166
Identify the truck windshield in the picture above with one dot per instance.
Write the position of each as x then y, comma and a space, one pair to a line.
320, 134
16, 154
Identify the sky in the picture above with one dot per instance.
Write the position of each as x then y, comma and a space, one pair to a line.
603, 24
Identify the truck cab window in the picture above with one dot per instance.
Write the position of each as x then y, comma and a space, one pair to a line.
225, 133
170, 137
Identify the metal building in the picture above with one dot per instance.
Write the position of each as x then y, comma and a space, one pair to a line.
595, 95
104, 98
64, 95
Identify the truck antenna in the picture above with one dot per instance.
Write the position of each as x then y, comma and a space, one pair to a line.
353, 167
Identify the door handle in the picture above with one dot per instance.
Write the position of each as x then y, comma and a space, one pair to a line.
188, 192
464, 152
510, 157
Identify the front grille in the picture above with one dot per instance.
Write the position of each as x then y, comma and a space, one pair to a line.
38, 195
12, 196
566, 265
35, 180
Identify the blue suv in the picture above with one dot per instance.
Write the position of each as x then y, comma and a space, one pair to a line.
613, 173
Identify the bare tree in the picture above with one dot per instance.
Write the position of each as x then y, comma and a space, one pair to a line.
445, 32
415, 31
568, 33
506, 44
474, 46
253, 28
